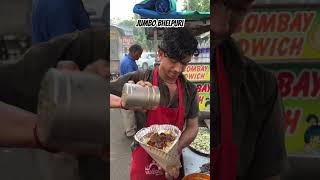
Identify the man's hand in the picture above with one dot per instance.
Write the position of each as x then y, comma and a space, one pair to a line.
189, 134
16, 128
98, 67
68, 65
115, 101
173, 173
144, 83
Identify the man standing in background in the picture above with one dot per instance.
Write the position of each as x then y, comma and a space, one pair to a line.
128, 64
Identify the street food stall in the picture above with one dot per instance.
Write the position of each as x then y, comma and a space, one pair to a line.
285, 39
195, 158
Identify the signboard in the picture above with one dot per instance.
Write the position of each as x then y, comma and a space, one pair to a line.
280, 34
299, 84
204, 95
127, 41
197, 72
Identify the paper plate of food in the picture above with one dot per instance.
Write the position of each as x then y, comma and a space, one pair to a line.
201, 144
160, 142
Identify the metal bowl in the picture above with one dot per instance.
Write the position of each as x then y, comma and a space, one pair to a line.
197, 176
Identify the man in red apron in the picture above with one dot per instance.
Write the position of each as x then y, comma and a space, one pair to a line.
178, 103
249, 130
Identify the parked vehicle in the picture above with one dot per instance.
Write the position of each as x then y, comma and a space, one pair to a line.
147, 60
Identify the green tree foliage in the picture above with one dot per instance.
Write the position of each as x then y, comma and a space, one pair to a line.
199, 5
139, 34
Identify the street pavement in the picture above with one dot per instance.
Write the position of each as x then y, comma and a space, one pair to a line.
120, 153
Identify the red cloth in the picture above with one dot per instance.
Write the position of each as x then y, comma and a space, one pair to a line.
143, 166
224, 157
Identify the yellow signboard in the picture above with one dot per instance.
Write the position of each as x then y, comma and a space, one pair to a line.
280, 34
204, 96
299, 85
197, 72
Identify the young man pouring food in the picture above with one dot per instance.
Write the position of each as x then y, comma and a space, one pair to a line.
178, 101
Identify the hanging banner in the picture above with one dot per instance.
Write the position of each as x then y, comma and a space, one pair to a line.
204, 96
197, 72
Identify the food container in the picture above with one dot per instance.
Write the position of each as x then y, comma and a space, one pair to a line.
165, 158
197, 176
201, 144
72, 111
136, 96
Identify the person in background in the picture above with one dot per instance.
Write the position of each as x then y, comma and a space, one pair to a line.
128, 64
248, 132
51, 18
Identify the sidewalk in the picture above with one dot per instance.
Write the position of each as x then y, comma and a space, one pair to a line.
120, 153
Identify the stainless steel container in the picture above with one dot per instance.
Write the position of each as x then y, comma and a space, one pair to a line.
136, 96
72, 111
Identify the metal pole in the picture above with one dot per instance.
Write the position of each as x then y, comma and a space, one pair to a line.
155, 39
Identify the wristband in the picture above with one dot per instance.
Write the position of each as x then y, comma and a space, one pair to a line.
121, 106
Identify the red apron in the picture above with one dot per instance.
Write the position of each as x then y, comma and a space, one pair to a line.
224, 157
143, 167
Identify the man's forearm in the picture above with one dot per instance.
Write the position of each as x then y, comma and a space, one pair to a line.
187, 137
189, 134
115, 101
16, 128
